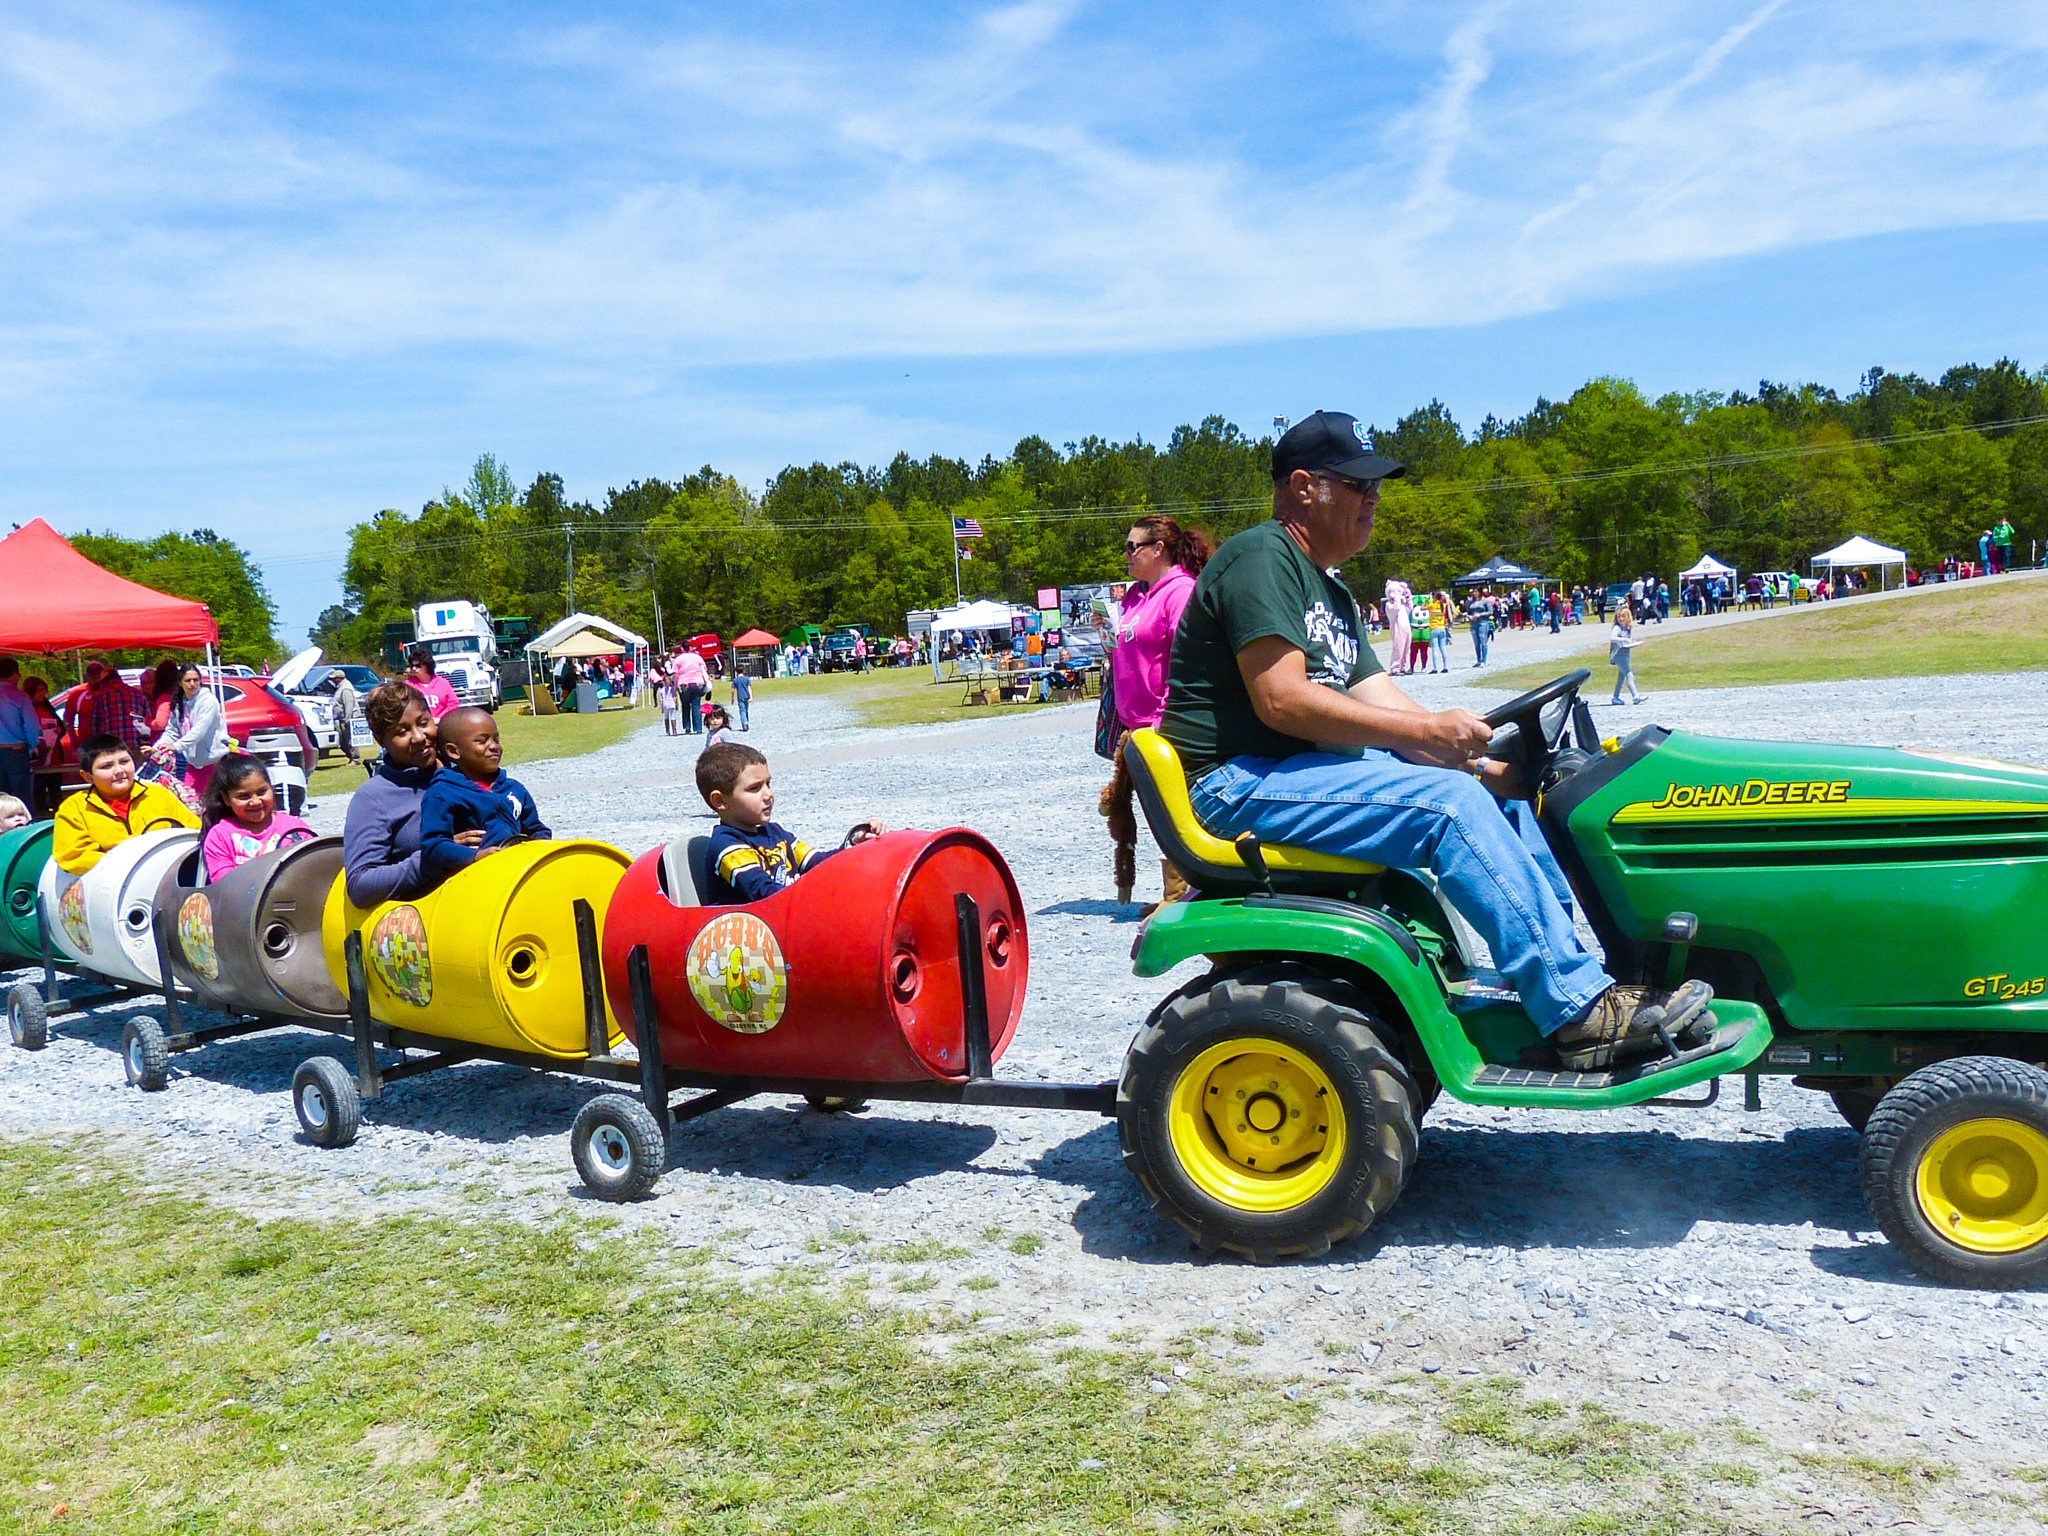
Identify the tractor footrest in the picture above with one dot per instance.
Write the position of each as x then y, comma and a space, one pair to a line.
1723, 1039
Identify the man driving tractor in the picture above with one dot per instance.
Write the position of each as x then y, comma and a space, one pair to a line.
1290, 729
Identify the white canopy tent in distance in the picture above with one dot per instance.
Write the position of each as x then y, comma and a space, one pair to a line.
581, 635
1860, 552
982, 616
1704, 567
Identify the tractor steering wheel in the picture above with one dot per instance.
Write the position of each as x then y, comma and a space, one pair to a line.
1519, 736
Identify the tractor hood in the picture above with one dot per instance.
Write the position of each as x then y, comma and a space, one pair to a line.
1861, 880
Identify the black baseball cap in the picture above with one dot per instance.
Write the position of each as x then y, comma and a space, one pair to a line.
1333, 441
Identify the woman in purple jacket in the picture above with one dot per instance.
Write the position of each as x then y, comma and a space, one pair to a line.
1163, 560
380, 841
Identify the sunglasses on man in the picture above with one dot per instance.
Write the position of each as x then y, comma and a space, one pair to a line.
1363, 487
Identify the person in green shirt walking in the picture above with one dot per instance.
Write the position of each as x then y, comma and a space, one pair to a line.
1288, 727
2001, 540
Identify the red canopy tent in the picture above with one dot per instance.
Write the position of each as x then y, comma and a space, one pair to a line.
756, 637
57, 600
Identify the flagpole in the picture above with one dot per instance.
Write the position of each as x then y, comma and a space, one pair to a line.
956, 567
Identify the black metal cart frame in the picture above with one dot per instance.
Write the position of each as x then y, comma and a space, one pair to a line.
657, 1082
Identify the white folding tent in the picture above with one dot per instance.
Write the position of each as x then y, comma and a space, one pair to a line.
971, 618
982, 614
1706, 565
583, 634
1860, 552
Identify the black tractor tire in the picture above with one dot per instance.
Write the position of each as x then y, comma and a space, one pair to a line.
832, 1104
1323, 1020
619, 1148
329, 1108
144, 1055
28, 1017
1965, 1206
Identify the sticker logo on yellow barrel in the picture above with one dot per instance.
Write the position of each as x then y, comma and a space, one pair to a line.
737, 973
71, 913
195, 935
398, 954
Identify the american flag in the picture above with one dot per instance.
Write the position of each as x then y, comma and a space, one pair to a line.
966, 528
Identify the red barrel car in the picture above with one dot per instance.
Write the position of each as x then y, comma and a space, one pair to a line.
851, 974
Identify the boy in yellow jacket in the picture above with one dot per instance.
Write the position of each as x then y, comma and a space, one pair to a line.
111, 809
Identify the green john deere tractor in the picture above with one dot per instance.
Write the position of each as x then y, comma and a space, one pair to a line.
1871, 921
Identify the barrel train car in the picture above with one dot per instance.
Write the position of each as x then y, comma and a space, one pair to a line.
896, 970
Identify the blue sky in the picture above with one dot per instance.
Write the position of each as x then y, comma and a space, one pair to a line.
271, 268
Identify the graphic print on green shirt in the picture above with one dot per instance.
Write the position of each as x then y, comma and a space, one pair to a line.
1259, 583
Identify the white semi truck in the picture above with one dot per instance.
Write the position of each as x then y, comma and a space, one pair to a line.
465, 648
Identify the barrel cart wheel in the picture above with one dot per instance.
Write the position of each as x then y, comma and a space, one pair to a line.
832, 1104
619, 1147
329, 1108
1955, 1169
144, 1055
1268, 1116
28, 1020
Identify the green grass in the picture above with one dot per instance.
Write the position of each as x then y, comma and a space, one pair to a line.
2002, 628
167, 1366
527, 739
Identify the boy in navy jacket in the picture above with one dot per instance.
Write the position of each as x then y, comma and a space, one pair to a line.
472, 791
752, 855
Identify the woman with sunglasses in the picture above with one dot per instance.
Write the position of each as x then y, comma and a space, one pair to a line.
1162, 559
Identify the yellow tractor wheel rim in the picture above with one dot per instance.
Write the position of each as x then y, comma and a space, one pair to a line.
1257, 1125
1983, 1185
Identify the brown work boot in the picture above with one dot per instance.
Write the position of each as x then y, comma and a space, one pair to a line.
1622, 1024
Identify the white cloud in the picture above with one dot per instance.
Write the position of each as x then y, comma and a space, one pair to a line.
1027, 180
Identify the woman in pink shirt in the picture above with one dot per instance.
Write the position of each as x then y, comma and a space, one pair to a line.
419, 671
1163, 560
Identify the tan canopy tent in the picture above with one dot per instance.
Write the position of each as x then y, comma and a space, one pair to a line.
588, 644
581, 636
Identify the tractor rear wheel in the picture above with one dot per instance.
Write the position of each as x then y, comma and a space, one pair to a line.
1268, 1116
1955, 1169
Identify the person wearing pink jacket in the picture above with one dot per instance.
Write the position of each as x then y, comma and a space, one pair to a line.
1163, 560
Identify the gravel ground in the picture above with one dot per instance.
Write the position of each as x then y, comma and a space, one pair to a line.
1685, 1268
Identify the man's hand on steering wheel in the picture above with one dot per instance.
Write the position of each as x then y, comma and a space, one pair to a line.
1453, 738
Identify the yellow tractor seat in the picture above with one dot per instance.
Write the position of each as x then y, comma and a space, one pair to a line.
1211, 863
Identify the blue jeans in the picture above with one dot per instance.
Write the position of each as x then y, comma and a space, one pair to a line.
1488, 855
1482, 633
745, 705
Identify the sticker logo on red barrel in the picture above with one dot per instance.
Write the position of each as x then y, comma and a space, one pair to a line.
398, 954
737, 973
195, 935
71, 915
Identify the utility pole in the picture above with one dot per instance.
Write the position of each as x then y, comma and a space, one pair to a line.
660, 645
569, 542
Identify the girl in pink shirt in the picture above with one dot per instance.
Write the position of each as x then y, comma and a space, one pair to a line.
1163, 559
241, 817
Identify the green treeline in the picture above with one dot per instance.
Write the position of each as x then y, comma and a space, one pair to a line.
200, 565
1600, 486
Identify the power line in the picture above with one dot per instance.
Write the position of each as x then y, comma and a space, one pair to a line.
1429, 491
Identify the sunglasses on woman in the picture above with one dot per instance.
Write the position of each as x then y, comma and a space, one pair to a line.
1132, 549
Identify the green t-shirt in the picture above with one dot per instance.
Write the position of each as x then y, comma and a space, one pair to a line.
1259, 583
